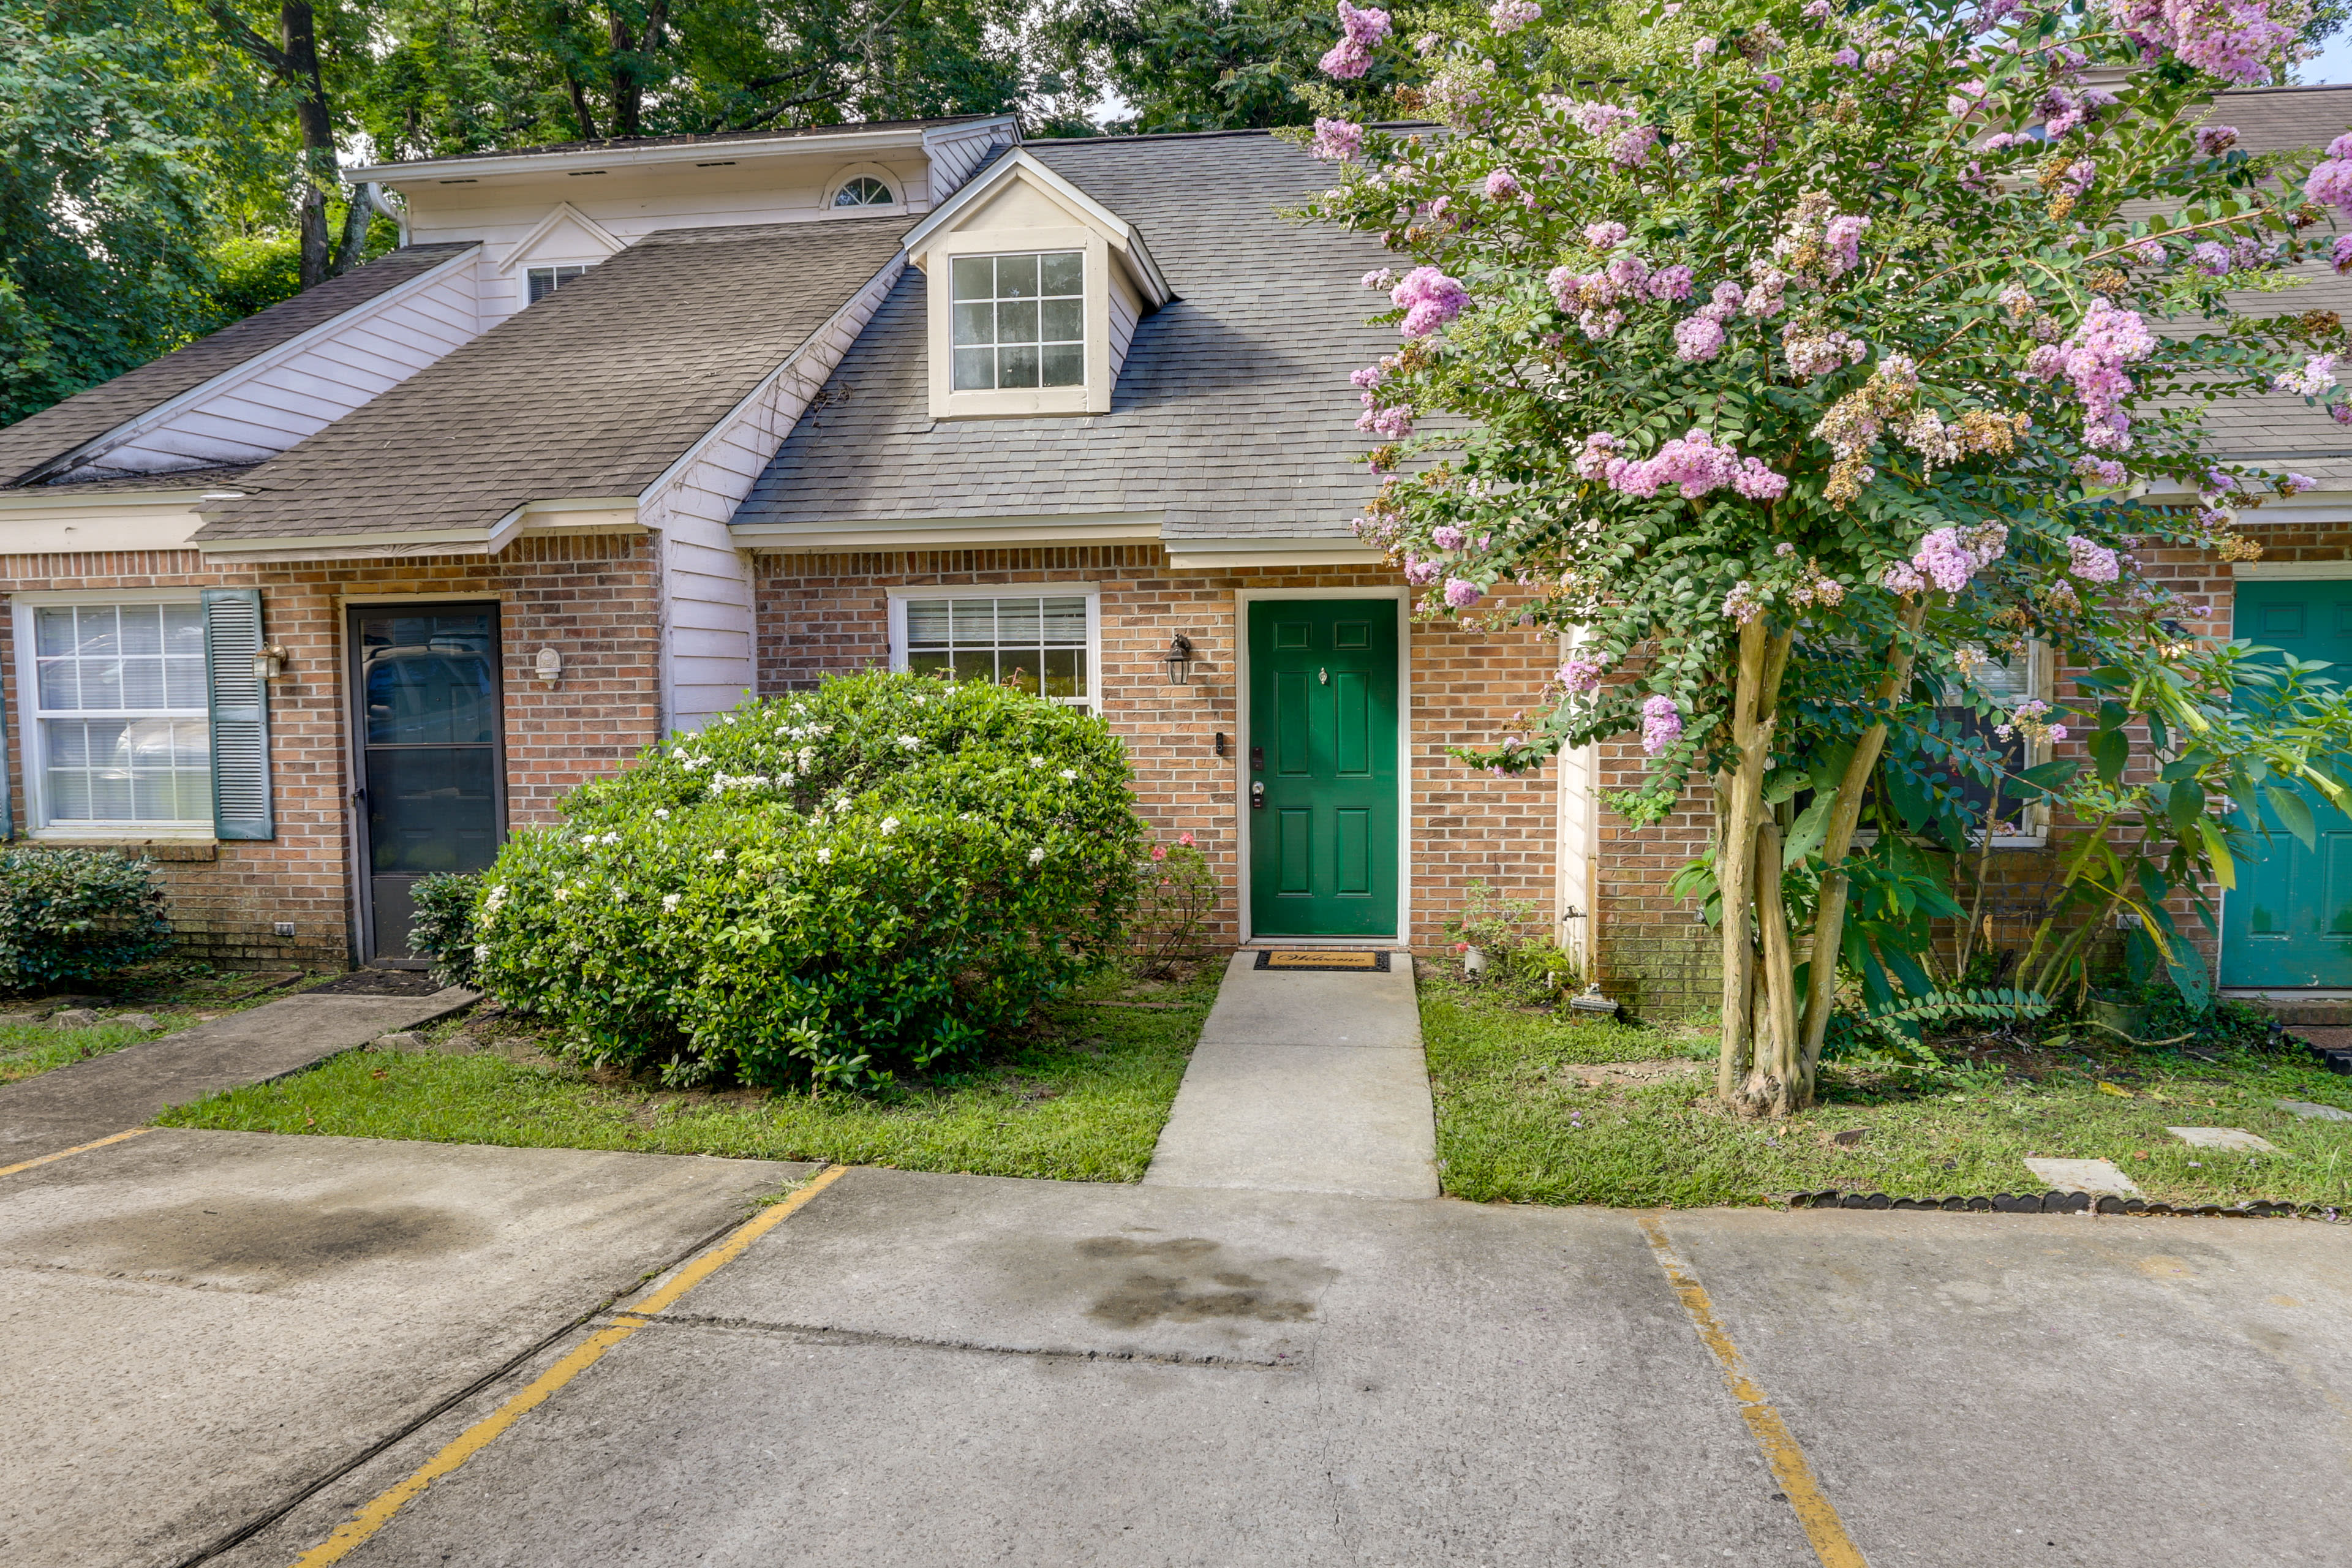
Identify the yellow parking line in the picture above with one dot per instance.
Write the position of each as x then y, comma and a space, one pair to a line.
1791, 1469
76, 1149
356, 1529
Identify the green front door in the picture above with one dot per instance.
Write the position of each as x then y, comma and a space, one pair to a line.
1322, 788
2289, 921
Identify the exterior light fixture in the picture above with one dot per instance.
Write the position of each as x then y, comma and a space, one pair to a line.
1178, 660
268, 662
549, 664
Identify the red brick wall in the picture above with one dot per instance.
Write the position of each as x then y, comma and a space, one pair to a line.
820, 614
593, 598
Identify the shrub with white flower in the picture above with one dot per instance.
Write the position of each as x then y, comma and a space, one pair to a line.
867, 880
1782, 350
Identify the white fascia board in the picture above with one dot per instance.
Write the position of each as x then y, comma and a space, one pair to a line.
719, 427
596, 231
1248, 552
350, 546
950, 532
164, 413
1117, 229
433, 171
60, 500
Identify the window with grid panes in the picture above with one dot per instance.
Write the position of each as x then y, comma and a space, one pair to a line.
119, 708
1037, 644
1020, 320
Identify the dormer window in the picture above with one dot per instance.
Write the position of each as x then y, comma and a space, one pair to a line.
863, 190
546, 281
1020, 320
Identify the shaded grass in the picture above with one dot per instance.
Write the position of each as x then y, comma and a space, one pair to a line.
1082, 1098
27, 1050
1513, 1125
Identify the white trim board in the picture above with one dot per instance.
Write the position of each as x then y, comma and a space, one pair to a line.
734, 149
896, 611
2291, 571
1242, 599
950, 532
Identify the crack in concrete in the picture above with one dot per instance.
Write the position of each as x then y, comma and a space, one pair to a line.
810, 1333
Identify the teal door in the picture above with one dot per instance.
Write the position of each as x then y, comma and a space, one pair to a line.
2289, 921
1322, 776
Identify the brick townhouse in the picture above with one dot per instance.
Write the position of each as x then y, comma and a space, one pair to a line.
339, 595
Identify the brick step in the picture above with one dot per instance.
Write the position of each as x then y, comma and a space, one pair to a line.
2331, 1010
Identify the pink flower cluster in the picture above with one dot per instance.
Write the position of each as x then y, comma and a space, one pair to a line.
1391, 424
1445, 536
1351, 57
1698, 338
1694, 463
1605, 235
1661, 724
1947, 558
1503, 186
1429, 299
1582, 673
2212, 141
2104, 472
1510, 15
2092, 361
2296, 484
1422, 574
2318, 375
1336, 140
2091, 561
1844, 239
1461, 592
2330, 182
2236, 40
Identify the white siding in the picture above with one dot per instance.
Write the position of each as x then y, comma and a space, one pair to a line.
1579, 860
1122, 327
953, 158
708, 654
262, 407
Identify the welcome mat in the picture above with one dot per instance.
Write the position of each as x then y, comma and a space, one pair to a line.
1352, 959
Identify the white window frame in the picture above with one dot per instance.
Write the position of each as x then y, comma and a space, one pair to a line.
536, 266
34, 738
1090, 395
2035, 822
997, 345
894, 183
1092, 592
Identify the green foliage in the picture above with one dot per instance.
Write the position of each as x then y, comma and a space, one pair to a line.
69, 916
1177, 891
1521, 957
825, 888
1889, 1037
442, 926
1203, 65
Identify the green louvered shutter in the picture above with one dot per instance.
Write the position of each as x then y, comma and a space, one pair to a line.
7, 824
240, 714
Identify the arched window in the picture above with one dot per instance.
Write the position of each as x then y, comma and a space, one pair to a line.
863, 190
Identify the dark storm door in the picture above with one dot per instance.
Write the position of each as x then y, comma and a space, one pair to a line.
1322, 775
432, 774
2289, 921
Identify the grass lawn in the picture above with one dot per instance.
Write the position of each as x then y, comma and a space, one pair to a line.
1081, 1097
1518, 1121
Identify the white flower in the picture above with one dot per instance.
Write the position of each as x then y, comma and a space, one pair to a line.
718, 854
669, 903
727, 717
841, 804
1036, 761
619, 895
1070, 773
824, 856
678, 754
785, 780
918, 702
662, 812
481, 952
911, 743
562, 894
1037, 855
889, 826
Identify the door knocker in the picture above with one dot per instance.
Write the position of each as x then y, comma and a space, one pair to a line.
1323, 677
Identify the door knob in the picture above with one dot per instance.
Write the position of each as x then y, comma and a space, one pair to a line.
1322, 678
1257, 797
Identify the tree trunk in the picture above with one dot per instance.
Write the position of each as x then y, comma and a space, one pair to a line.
1828, 914
298, 65
1737, 795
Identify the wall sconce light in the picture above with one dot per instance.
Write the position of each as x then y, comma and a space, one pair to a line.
268, 662
1178, 660
549, 664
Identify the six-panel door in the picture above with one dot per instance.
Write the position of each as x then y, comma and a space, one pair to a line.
1322, 775
2289, 921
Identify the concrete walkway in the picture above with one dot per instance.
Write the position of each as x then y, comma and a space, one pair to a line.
1306, 1082
129, 1087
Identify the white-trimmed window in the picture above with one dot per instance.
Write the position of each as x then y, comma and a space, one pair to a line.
539, 282
1019, 321
2008, 686
864, 191
1045, 640
117, 734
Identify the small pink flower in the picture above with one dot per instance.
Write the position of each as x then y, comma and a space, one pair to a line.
1186, 839
1160, 852
1461, 592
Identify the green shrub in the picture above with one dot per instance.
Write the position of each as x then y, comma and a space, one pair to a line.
442, 928
73, 915
824, 888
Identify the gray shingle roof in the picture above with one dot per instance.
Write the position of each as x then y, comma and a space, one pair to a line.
85, 417
2284, 119
1233, 415
391, 171
591, 392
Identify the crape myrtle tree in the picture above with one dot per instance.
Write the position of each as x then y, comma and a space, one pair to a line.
1800, 361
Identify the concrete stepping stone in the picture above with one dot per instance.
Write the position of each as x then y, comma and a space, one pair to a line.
2311, 1112
402, 1040
2223, 1138
2082, 1176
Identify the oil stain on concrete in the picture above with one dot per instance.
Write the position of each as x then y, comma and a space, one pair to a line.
1193, 1279
250, 1243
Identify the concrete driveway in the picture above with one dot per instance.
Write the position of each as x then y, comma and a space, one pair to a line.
202, 1327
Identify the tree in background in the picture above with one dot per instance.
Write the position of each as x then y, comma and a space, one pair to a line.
119, 134
1202, 65
1802, 361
